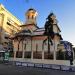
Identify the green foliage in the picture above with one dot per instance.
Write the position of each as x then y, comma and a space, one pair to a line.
49, 26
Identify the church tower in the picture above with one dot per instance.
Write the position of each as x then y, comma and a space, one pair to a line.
31, 15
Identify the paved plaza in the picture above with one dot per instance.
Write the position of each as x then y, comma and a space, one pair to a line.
19, 70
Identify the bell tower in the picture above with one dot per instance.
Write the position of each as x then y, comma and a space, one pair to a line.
31, 15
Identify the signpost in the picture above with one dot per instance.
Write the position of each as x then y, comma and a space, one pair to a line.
6, 56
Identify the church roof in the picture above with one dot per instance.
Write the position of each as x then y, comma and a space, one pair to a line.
31, 9
25, 32
25, 25
65, 42
39, 31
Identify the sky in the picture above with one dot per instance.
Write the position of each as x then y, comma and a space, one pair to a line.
63, 9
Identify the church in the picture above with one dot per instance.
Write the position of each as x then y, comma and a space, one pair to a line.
32, 45
29, 43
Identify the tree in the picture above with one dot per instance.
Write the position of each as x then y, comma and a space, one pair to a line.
49, 31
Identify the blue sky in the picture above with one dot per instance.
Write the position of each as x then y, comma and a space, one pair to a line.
63, 9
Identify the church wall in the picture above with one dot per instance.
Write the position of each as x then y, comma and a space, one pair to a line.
45, 48
56, 42
55, 29
57, 39
38, 40
36, 46
15, 43
29, 21
20, 46
30, 27
28, 45
37, 53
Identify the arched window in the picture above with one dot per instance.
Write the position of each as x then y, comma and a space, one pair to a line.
32, 16
36, 47
25, 46
37, 54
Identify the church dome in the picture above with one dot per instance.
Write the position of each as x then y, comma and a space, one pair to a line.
31, 15
31, 9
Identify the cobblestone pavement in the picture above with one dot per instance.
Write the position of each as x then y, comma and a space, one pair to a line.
19, 70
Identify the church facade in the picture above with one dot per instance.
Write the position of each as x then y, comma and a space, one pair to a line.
29, 45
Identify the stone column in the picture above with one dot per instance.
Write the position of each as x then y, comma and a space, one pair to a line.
31, 49
55, 48
14, 49
32, 55
23, 54
22, 49
42, 51
14, 55
42, 54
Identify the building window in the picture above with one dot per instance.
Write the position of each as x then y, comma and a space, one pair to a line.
25, 46
19, 54
10, 22
62, 55
27, 54
48, 55
37, 55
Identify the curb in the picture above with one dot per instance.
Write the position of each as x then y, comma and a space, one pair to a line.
41, 65
46, 66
